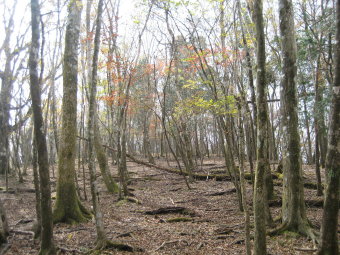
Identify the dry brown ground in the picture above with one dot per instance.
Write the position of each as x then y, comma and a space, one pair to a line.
216, 227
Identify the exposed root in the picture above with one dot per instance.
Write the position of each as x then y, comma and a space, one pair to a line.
36, 230
133, 200
79, 214
303, 229
84, 211
318, 203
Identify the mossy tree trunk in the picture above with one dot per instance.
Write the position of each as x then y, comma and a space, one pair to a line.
329, 236
47, 244
293, 208
262, 137
68, 207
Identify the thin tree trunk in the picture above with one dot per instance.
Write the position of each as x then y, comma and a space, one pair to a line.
260, 247
317, 126
309, 142
47, 244
243, 184
101, 235
37, 227
102, 160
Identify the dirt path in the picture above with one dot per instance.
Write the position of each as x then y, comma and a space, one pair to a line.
212, 223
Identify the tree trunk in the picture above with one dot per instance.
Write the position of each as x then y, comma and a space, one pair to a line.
243, 184
293, 206
101, 235
6, 94
329, 236
306, 117
262, 137
37, 227
68, 207
146, 138
4, 230
47, 244
102, 160
317, 126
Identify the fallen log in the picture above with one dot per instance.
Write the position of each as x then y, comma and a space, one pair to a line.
221, 193
169, 210
196, 176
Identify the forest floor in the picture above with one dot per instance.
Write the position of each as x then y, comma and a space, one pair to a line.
211, 223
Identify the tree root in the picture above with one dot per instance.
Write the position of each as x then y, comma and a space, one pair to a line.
315, 203
36, 230
79, 214
50, 251
303, 229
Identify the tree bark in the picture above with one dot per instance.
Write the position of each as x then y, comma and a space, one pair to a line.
262, 137
293, 206
4, 230
243, 183
329, 237
37, 227
47, 244
110, 184
317, 126
68, 207
6, 95
101, 235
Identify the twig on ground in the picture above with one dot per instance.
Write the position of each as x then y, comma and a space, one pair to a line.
22, 232
305, 249
165, 243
